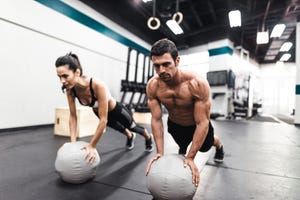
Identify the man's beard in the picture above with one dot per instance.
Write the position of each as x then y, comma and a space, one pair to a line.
165, 77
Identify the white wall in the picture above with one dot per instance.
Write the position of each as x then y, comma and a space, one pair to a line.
278, 85
197, 62
32, 37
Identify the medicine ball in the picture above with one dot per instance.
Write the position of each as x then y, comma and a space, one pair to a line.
168, 179
71, 165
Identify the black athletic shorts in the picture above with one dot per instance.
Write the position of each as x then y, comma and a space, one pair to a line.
183, 136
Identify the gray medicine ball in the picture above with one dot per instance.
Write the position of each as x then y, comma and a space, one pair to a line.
168, 179
71, 165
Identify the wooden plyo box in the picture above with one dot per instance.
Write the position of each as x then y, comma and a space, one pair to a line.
87, 121
142, 118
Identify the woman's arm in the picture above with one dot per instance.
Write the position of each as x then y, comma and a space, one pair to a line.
72, 117
100, 93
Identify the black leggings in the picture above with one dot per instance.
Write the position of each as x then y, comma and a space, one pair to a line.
120, 119
183, 136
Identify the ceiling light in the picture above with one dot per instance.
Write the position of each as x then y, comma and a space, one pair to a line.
234, 18
277, 30
270, 57
262, 37
286, 46
145, 1
285, 57
172, 24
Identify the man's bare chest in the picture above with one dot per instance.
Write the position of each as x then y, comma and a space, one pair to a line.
178, 96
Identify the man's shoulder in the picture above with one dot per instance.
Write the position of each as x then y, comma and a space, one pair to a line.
152, 85
199, 87
153, 80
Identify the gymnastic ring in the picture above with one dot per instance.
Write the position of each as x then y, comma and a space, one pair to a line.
180, 17
156, 21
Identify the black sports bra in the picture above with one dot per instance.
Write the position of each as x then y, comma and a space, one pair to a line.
94, 99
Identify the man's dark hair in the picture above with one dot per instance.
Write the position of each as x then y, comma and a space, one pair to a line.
164, 46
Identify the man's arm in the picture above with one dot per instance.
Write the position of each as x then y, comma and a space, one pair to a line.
156, 121
200, 90
156, 117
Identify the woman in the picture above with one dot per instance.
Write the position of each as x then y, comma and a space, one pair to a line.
94, 93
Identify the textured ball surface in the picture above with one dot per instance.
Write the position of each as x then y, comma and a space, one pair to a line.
168, 179
71, 165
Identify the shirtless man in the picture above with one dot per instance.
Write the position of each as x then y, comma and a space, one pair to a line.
186, 96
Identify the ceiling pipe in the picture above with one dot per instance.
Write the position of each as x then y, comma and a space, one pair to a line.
266, 14
263, 22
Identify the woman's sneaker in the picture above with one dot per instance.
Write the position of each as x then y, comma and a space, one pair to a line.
219, 156
130, 142
149, 144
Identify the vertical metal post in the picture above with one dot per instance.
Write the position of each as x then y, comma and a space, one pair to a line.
136, 66
128, 63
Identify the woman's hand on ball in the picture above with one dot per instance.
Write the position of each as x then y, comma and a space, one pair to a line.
195, 172
154, 158
90, 153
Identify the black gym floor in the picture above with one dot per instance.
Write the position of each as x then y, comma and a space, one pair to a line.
262, 161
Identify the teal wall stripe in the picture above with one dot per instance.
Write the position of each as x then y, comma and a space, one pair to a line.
78, 16
220, 50
297, 89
